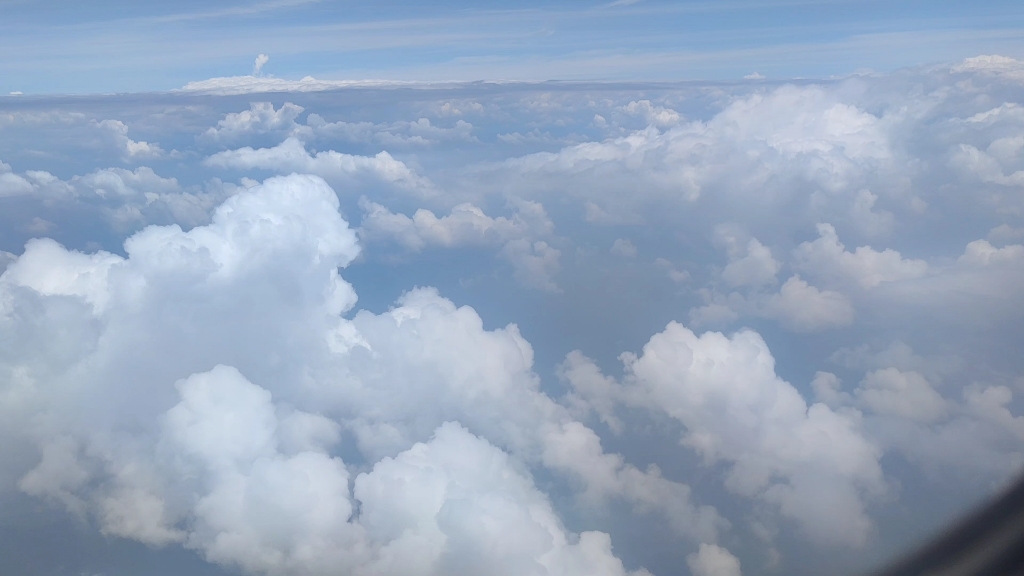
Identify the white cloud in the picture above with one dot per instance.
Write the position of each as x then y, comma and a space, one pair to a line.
263, 118
982, 280
811, 462
827, 258
1004, 234
260, 118
870, 222
127, 199
261, 61
992, 65
213, 364
983, 253
749, 265
995, 164
291, 156
534, 264
790, 138
129, 149
77, 130
904, 394
14, 185
465, 225
805, 308
922, 367
827, 390
990, 404
797, 305
236, 85
5, 260
652, 114
712, 560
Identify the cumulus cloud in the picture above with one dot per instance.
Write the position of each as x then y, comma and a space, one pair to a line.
827, 257
787, 139
659, 116
263, 118
806, 308
905, 394
797, 306
465, 225
77, 129
534, 262
291, 156
992, 65
130, 149
127, 199
811, 462
260, 118
981, 279
749, 265
261, 61
12, 184
713, 560
202, 382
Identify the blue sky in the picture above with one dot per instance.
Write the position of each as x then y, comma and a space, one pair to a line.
54, 47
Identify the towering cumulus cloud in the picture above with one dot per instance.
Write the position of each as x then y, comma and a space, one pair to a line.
201, 391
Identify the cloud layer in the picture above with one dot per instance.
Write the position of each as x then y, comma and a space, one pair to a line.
600, 328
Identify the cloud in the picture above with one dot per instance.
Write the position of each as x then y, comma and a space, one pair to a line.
261, 61
712, 560
534, 262
652, 114
992, 65
805, 308
237, 85
465, 225
260, 118
867, 226
130, 149
291, 156
126, 199
788, 139
797, 305
827, 257
749, 265
623, 247
263, 118
12, 184
736, 410
905, 394
198, 387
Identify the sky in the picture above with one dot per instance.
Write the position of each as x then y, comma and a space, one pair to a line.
51, 46
628, 289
